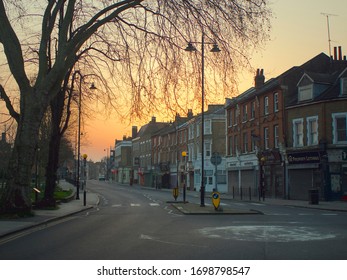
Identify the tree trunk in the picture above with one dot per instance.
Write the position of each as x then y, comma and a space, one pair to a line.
16, 197
51, 172
57, 108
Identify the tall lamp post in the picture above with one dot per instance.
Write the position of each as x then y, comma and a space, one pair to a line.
215, 49
92, 87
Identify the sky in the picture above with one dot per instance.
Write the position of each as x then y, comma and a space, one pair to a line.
299, 32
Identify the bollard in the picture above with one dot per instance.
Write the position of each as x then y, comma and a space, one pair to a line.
84, 197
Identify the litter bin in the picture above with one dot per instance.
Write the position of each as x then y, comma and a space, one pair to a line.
313, 196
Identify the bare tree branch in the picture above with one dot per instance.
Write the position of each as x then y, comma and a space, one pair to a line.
8, 103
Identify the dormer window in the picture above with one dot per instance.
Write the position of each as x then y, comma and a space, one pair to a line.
305, 93
344, 86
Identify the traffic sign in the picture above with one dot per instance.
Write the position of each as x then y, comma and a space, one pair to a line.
216, 159
216, 200
175, 193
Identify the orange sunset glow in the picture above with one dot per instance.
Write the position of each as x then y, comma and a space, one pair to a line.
299, 32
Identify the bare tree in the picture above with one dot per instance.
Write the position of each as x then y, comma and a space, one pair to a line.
147, 39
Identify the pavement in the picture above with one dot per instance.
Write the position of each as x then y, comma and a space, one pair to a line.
73, 206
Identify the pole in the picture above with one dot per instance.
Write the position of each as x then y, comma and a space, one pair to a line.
202, 189
79, 137
85, 180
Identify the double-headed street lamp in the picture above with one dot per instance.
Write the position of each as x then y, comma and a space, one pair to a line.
215, 49
92, 87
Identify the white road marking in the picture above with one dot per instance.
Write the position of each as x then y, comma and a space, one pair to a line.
116, 205
135, 205
271, 233
277, 214
154, 204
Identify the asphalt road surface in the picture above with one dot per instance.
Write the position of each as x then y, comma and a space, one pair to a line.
132, 223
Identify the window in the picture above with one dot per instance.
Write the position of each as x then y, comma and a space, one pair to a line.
244, 113
236, 143
253, 110
230, 146
266, 138
197, 177
305, 93
221, 177
190, 132
276, 108
254, 139
230, 118
236, 115
190, 152
312, 131
245, 142
339, 128
276, 136
207, 149
266, 105
208, 177
343, 86
198, 129
207, 127
298, 133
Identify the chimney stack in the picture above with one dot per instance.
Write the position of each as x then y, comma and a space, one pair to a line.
134, 132
177, 117
190, 113
154, 119
340, 53
259, 79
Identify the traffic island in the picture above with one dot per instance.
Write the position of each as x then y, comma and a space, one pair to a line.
196, 209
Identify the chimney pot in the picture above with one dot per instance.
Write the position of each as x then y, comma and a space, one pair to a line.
335, 53
340, 53
259, 78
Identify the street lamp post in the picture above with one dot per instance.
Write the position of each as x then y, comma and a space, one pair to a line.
85, 179
107, 164
92, 87
191, 48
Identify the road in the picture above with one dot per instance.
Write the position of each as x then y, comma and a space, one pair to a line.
133, 223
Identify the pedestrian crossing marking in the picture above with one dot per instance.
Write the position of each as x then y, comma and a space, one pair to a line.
154, 204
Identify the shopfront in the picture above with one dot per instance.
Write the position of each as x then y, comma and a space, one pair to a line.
306, 170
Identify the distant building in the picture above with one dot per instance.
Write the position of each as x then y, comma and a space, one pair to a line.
142, 153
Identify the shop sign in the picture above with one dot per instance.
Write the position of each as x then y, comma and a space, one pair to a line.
271, 157
304, 157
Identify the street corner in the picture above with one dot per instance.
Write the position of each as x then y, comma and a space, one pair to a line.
197, 209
